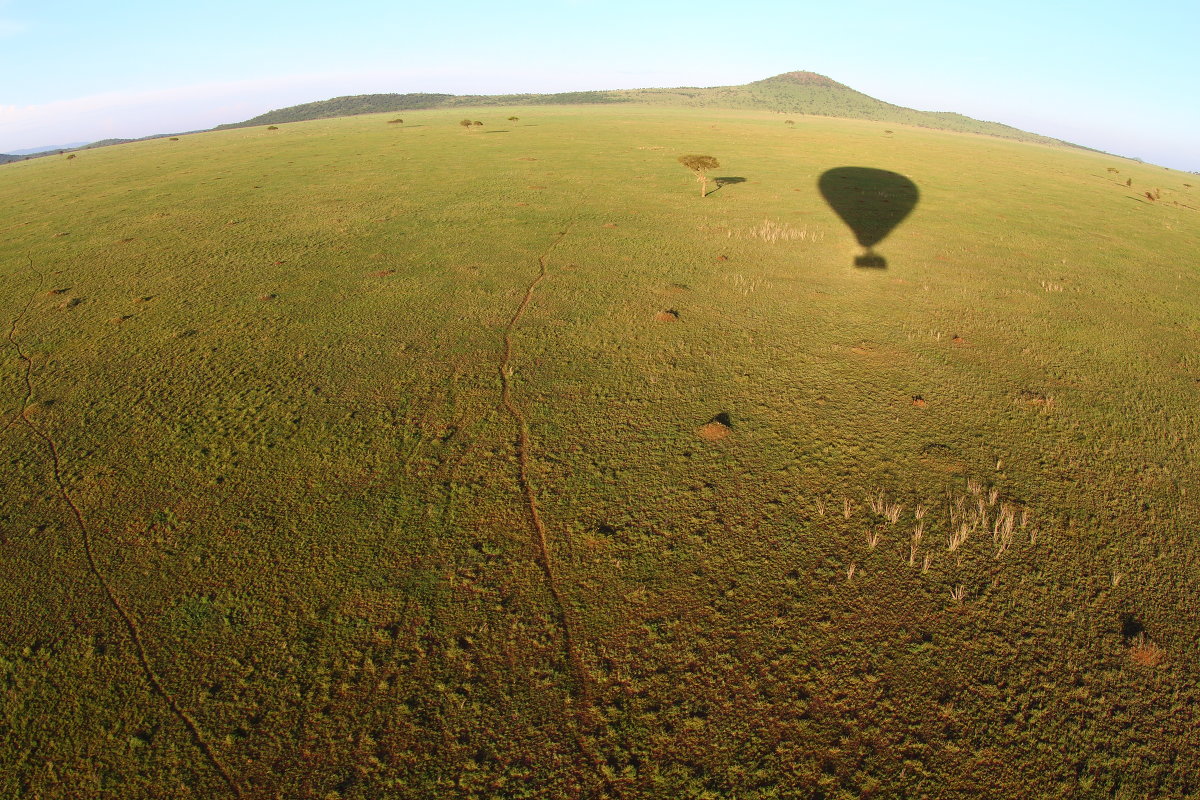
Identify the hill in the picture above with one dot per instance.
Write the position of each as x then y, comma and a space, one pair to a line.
791, 93
356, 459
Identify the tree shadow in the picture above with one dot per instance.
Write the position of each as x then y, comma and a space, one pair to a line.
871, 202
726, 181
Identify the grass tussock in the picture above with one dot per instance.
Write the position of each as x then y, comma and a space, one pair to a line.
771, 232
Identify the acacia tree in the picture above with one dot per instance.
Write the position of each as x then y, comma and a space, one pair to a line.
466, 123
700, 165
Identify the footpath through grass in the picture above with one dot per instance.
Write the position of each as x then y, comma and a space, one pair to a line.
811, 530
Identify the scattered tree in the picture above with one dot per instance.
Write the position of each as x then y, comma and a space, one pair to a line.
477, 122
700, 165
1129, 181
466, 123
513, 119
272, 127
395, 121
789, 122
69, 157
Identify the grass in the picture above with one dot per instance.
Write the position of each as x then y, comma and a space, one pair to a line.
299, 481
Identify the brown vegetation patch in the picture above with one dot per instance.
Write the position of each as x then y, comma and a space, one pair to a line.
535, 187
267, 296
70, 302
716, 428
526, 158
712, 431
120, 319
610, 225
383, 273
146, 298
678, 288
1145, 653
919, 401
1030, 397
128, 239
722, 258
522, 204
669, 315
59, 291
958, 339
862, 348
64, 233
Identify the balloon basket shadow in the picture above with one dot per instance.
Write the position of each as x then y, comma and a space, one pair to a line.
871, 261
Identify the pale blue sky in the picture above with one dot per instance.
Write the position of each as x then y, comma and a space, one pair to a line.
1117, 76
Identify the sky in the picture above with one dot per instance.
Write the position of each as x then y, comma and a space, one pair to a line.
1116, 76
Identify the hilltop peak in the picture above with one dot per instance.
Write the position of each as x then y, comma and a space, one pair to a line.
801, 78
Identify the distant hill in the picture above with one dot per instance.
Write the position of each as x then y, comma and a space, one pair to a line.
790, 93
49, 148
388, 103
796, 93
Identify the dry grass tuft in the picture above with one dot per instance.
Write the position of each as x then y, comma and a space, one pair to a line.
769, 231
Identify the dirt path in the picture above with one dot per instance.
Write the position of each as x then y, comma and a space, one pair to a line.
580, 677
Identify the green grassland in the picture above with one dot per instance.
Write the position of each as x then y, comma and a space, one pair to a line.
268, 522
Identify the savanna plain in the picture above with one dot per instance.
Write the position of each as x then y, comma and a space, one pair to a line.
369, 459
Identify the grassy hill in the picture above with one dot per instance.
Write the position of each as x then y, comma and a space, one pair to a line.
357, 460
791, 93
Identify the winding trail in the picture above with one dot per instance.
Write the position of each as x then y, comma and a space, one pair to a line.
27, 375
85, 535
571, 638
524, 444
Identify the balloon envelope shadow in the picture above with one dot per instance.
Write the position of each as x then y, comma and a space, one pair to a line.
871, 202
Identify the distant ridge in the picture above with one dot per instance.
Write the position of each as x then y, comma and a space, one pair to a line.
790, 93
799, 93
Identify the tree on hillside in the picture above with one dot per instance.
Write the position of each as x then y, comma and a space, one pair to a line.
466, 123
700, 165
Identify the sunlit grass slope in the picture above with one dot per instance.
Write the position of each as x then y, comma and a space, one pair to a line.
267, 528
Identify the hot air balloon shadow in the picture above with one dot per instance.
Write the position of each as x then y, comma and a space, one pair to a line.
871, 202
